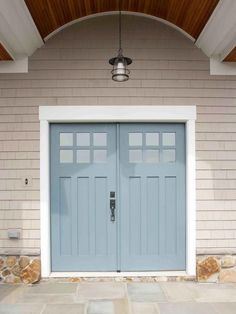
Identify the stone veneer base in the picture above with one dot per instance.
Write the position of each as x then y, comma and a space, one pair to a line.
19, 269
210, 268
216, 268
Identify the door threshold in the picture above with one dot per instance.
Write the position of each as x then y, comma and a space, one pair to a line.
118, 274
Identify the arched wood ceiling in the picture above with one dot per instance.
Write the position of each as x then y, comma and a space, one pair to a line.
231, 56
189, 15
4, 55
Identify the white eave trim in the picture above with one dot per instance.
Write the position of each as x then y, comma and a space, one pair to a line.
93, 114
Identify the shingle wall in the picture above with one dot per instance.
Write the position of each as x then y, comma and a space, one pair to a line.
72, 69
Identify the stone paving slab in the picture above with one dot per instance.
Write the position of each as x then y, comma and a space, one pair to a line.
5, 290
53, 288
13, 294
215, 294
101, 307
146, 292
64, 309
46, 298
118, 306
122, 306
179, 291
210, 286
224, 308
187, 308
100, 291
21, 308
144, 308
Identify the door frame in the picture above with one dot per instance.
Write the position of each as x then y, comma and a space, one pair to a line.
113, 114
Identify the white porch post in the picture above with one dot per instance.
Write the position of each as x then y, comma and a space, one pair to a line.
45, 198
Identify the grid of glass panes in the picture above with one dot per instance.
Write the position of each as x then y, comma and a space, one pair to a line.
152, 147
90, 147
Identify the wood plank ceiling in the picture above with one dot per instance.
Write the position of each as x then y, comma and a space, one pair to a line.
231, 56
190, 15
4, 55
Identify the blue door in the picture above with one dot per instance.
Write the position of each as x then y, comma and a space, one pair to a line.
152, 181
83, 173
117, 197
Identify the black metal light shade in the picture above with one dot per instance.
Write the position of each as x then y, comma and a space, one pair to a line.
120, 73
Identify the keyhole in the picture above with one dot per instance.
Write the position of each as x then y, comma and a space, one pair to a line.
26, 181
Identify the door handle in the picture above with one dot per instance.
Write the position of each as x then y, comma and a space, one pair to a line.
112, 208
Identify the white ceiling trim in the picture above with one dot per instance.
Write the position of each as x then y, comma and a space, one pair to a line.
16, 66
18, 33
218, 37
222, 68
116, 13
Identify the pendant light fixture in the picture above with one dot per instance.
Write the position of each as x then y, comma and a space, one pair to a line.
120, 73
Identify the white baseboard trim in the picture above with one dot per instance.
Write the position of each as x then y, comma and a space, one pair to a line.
115, 274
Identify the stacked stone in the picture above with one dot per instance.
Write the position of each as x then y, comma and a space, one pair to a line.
19, 269
24, 269
220, 269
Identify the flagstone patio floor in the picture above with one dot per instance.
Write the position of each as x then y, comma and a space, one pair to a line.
111, 297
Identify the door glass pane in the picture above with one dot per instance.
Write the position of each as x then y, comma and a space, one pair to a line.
152, 139
66, 139
66, 156
100, 139
168, 155
83, 139
135, 139
168, 139
100, 156
151, 156
83, 156
135, 155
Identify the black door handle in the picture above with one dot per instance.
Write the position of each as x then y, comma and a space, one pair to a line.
112, 208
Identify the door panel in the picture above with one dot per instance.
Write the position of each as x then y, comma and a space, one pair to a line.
152, 196
83, 172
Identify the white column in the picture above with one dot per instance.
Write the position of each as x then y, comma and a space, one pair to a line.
44, 198
190, 198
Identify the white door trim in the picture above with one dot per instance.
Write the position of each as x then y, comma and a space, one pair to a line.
69, 114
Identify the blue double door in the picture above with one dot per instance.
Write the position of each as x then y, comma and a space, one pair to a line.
117, 197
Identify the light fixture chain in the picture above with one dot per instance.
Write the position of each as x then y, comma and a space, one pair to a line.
120, 49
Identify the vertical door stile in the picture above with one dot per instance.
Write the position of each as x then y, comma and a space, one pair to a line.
75, 243
143, 224
118, 209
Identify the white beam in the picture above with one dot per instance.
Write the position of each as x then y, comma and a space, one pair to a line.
218, 37
18, 32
